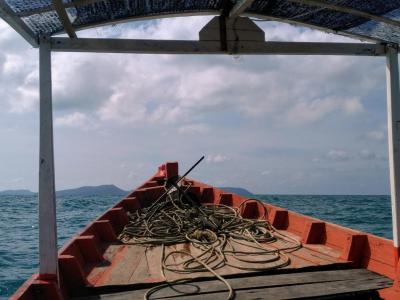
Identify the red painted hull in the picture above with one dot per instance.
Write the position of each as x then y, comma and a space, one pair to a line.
93, 258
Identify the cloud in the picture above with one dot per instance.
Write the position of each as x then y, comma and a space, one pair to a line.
338, 155
307, 112
218, 158
16, 180
377, 135
18, 72
277, 31
194, 128
370, 155
167, 89
316, 110
168, 28
240, 104
23, 99
13, 64
76, 120
352, 106
367, 154
121, 108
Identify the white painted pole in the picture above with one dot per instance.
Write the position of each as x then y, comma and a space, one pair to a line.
47, 199
393, 109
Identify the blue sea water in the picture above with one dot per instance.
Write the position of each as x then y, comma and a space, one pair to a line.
19, 233
19, 220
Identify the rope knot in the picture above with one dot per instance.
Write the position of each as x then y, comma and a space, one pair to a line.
203, 236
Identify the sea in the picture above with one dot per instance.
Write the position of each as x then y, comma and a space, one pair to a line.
19, 224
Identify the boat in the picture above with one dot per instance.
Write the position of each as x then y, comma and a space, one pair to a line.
332, 260
204, 242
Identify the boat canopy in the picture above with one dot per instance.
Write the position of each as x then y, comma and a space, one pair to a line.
372, 20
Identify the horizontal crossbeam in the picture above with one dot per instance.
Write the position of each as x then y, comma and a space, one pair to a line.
213, 47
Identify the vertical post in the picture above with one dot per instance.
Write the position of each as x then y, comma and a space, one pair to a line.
393, 110
47, 201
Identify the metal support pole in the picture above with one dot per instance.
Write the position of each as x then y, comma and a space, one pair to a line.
47, 198
393, 110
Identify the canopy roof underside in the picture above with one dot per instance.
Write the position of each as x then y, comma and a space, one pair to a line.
377, 20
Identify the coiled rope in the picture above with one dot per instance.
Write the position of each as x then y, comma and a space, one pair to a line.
216, 230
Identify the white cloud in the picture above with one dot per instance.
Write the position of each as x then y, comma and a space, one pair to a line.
18, 72
170, 89
168, 28
338, 155
13, 64
353, 106
367, 154
218, 158
377, 135
121, 108
75, 120
308, 112
119, 87
244, 101
316, 110
370, 155
23, 99
277, 31
265, 173
194, 128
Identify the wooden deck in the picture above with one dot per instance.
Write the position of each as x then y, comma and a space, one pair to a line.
336, 284
131, 264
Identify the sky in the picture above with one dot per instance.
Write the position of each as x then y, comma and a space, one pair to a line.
271, 124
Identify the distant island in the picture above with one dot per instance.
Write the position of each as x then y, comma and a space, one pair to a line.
106, 190
101, 190
17, 193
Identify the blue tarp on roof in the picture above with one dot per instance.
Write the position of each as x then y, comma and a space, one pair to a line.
42, 19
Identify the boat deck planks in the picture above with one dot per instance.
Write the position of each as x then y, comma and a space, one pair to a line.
318, 284
132, 264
